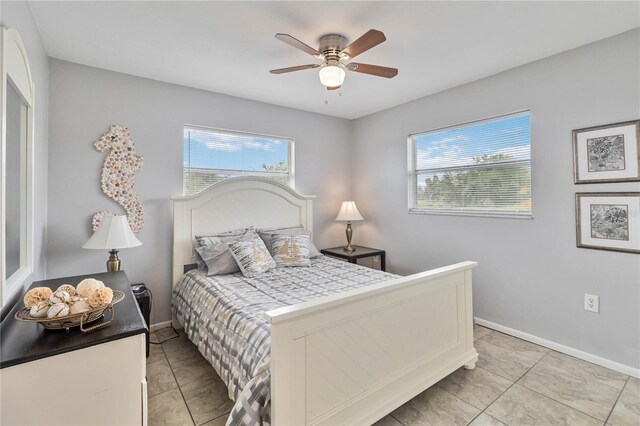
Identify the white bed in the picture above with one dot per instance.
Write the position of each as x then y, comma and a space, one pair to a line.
435, 305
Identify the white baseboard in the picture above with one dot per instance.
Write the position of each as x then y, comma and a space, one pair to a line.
159, 326
594, 359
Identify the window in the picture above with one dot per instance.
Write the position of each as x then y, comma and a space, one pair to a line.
16, 175
212, 155
478, 169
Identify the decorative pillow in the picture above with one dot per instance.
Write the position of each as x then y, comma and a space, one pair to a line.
266, 234
217, 259
224, 236
252, 256
290, 250
214, 256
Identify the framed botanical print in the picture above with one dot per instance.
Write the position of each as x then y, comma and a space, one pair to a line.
608, 221
608, 153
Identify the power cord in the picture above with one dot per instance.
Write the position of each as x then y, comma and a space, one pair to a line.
153, 312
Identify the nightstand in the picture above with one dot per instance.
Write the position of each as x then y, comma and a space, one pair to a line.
71, 377
359, 253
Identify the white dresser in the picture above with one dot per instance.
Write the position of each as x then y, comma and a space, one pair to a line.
50, 377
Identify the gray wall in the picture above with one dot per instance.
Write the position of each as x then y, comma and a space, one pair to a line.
85, 101
18, 15
531, 275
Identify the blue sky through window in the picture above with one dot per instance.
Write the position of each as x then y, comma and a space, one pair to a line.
458, 146
211, 149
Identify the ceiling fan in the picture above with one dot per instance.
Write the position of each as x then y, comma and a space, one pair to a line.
335, 54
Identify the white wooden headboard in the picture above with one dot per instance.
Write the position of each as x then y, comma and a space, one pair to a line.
232, 204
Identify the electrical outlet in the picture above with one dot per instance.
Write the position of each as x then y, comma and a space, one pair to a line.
591, 303
376, 259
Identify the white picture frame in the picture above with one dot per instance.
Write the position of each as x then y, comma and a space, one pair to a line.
609, 153
608, 221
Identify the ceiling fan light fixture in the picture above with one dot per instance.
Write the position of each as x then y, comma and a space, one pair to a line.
332, 75
334, 54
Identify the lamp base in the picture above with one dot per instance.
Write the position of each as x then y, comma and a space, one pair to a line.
349, 248
113, 264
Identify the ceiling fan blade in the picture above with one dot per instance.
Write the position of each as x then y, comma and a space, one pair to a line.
291, 69
333, 87
376, 70
370, 39
292, 41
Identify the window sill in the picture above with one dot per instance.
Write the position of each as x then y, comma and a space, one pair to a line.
526, 216
15, 283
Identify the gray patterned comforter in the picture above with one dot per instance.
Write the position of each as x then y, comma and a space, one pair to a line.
223, 316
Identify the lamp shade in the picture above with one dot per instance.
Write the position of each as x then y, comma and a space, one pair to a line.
114, 233
331, 75
349, 212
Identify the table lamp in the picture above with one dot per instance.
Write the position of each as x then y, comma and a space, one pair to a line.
114, 233
349, 212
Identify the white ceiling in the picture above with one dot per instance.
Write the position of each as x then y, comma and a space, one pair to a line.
228, 47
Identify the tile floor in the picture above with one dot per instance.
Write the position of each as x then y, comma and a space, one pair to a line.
514, 383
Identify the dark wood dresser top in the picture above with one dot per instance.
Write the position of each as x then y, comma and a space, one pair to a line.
22, 342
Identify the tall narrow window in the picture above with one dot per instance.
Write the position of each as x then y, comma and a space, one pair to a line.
480, 168
16, 173
212, 155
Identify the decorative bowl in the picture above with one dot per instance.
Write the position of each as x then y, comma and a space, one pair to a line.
75, 320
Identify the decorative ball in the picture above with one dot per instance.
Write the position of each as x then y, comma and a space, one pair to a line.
68, 288
87, 286
78, 305
58, 310
35, 295
100, 297
60, 296
39, 310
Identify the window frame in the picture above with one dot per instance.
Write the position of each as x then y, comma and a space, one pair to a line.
15, 71
291, 181
413, 173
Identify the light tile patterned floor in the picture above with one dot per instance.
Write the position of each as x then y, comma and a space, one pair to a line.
514, 383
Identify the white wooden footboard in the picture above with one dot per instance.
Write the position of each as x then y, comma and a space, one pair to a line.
351, 358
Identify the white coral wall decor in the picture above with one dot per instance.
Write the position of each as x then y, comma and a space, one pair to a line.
119, 168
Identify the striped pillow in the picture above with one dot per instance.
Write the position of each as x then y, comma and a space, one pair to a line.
290, 250
213, 255
252, 256
236, 234
266, 233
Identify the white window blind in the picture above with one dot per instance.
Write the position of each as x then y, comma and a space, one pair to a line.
479, 168
212, 155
